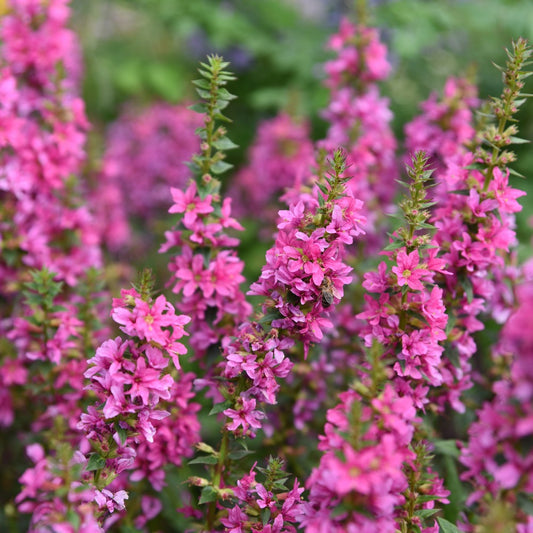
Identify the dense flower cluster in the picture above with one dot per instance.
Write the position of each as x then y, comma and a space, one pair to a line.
362, 464
359, 120
43, 121
148, 148
408, 317
41, 495
208, 285
348, 366
281, 157
445, 126
131, 379
496, 460
304, 273
49, 248
275, 502
302, 281
475, 222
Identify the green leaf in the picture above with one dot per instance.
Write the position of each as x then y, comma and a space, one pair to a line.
426, 498
203, 84
394, 245
323, 188
426, 513
225, 143
453, 357
224, 94
265, 515
220, 166
199, 108
446, 527
209, 494
219, 407
74, 519
518, 140
239, 454
122, 433
457, 492
204, 460
96, 462
220, 105
425, 225
515, 173
206, 95
446, 447
525, 503
221, 117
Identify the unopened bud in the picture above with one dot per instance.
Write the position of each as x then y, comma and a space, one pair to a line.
203, 447
197, 481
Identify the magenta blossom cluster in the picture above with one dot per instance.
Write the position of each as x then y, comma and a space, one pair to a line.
496, 458
44, 230
359, 119
43, 133
361, 57
149, 148
176, 435
408, 317
52, 513
208, 284
304, 274
59, 351
281, 156
445, 125
476, 233
359, 483
475, 221
280, 506
131, 379
303, 279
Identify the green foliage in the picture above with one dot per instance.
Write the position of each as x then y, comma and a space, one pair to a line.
446, 527
146, 50
42, 290
498, 135
214, 99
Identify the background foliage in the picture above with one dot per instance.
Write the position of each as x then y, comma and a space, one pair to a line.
147, 50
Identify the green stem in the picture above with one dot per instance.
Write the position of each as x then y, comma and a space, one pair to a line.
217, 478
494, 158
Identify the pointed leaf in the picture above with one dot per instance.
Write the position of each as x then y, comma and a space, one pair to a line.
220, 166
518, 140
224, 143
446, 527
204, 460
96, 462
209, 494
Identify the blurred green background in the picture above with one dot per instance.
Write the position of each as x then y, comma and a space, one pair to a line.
148, 50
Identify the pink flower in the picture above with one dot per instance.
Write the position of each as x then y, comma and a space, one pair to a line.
190, 204
112, 501
148, 384
246, 416
505, 195
236, 522
407, 270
